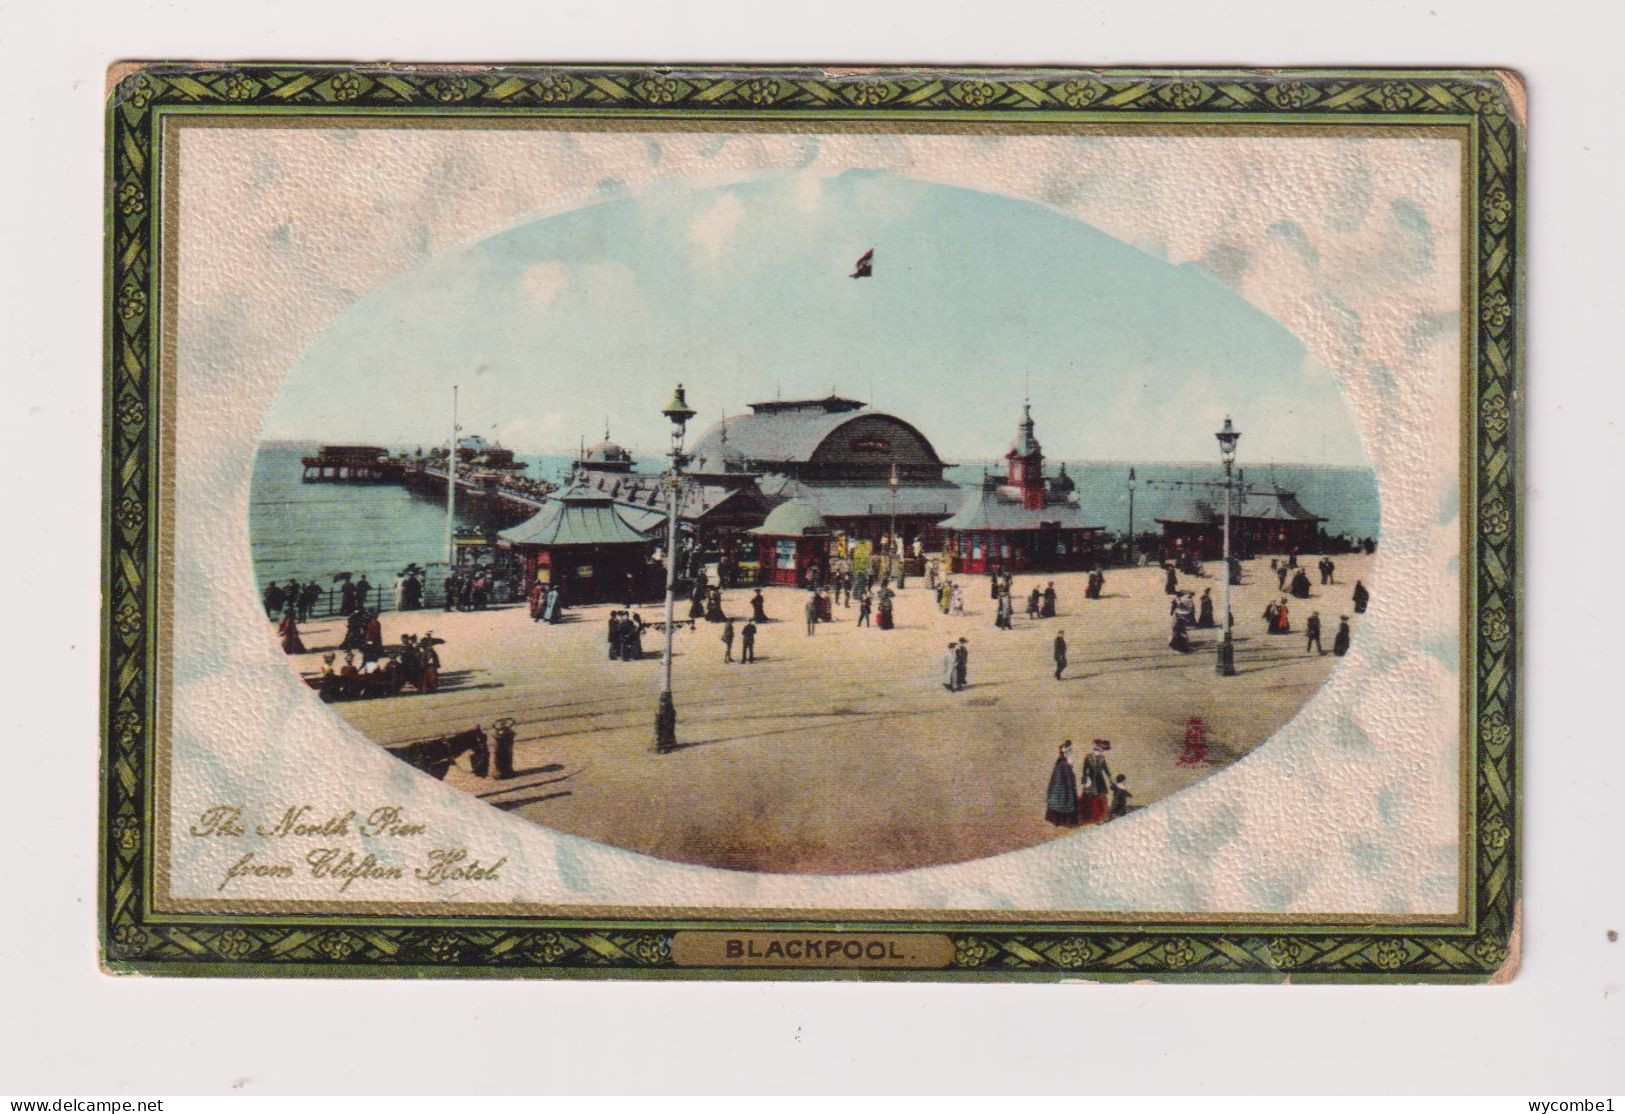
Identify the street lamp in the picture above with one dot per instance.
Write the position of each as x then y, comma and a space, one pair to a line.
896, 542
1226, 663
678, 412
1131, 486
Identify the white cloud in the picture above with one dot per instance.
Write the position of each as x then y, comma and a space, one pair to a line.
713, 229
544, 282
533, 433
806, 191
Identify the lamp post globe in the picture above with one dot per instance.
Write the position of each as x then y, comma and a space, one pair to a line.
678, 412
1228, 436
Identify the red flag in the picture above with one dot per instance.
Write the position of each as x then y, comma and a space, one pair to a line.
866, 265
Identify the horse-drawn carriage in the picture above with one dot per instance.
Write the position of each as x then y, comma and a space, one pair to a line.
436, 757
414, 662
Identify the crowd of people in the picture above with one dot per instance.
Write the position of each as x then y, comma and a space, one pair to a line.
546, 603
466, 588
1039, 602
1091, 795
364, 633
1278, 620
1186, 612
409, 589
415, 659
298, 599
476, 587
625, 636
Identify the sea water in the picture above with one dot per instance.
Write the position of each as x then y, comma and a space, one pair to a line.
305, 530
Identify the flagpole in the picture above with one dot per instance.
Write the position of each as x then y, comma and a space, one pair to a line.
451, 489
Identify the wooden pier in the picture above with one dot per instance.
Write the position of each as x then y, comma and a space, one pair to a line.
494, 500
352, 464
496, 495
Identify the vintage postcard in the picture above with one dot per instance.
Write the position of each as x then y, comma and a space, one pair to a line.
812, 523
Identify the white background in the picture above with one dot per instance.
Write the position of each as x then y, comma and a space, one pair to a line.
66, 1029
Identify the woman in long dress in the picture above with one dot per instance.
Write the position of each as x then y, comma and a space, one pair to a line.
1205, 618
1094, 785
1283, 619
1179, 639
289, 630
1061, 803
1340, 645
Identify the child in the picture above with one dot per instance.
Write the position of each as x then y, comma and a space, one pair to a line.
1120, 796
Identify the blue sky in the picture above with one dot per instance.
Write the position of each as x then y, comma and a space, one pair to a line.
741, 292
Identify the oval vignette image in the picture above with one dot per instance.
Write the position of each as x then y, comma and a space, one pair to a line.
953, 474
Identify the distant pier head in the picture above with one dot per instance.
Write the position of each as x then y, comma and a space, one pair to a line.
352, 464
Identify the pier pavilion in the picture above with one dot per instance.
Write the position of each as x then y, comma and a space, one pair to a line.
716, 511
477, 454
585, 543
1022, 522
1261, 521
841, 457
351, 464
793, 545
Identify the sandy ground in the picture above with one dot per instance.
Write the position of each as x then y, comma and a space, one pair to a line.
842, 751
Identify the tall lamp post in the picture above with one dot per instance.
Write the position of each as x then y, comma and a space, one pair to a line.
1131, 546
1226, 664
896, 542
678, 412
451, 489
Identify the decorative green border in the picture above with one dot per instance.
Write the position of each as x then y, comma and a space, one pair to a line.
136, 939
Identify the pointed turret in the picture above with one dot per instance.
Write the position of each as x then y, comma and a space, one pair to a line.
1024, 463
1062, 486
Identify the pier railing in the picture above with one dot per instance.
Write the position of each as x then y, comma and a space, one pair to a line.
381, 595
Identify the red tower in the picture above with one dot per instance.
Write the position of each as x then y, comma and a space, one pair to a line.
1024, 463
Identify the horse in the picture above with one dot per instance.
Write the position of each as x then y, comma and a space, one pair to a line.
436, 756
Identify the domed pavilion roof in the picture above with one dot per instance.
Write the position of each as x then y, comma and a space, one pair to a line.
793, 519
607, 451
